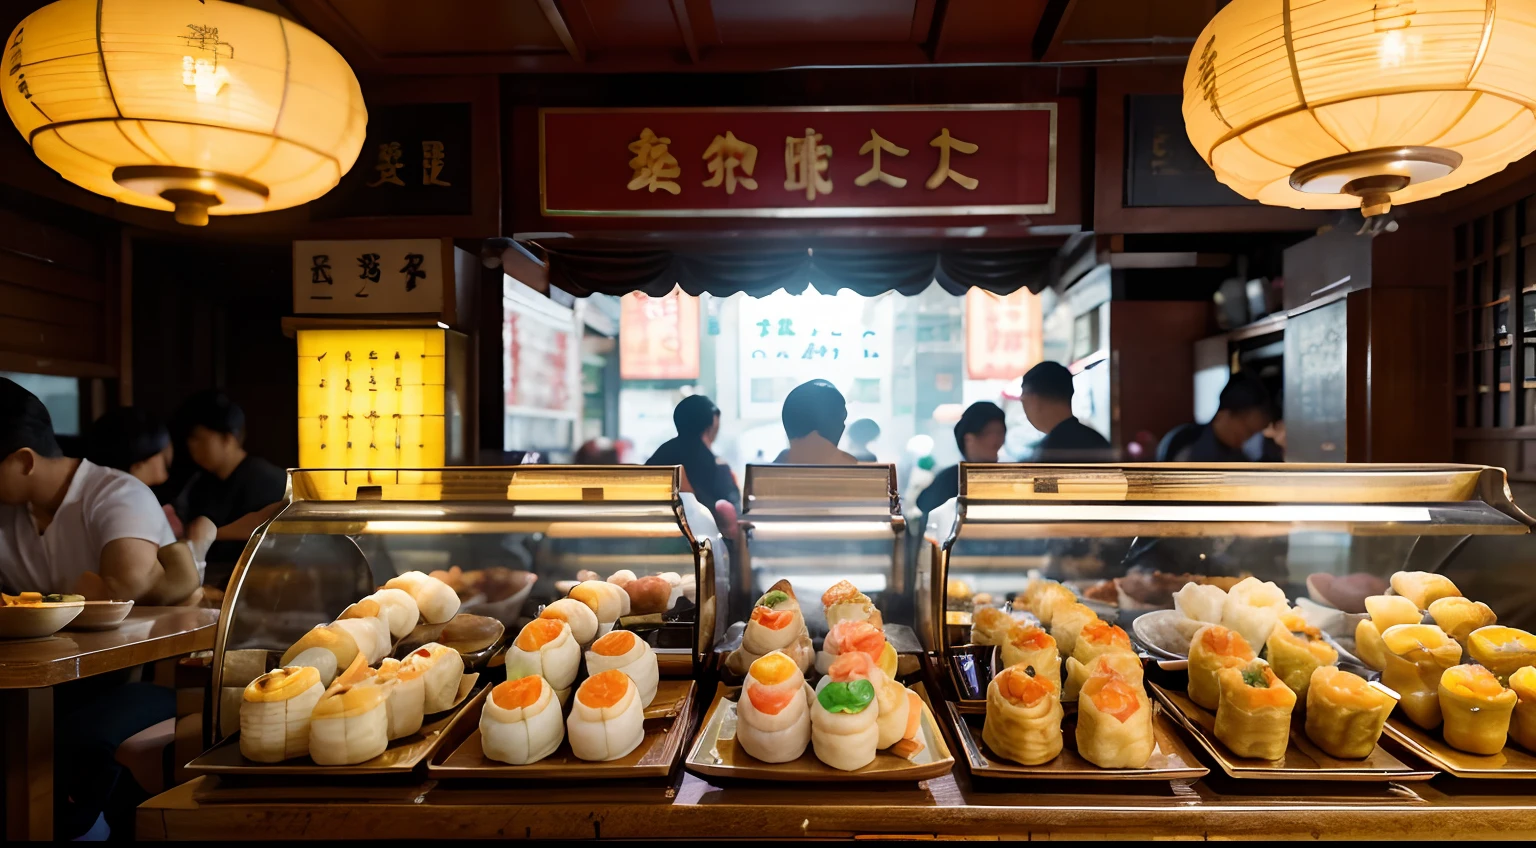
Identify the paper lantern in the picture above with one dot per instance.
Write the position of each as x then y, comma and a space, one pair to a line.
201, 107
1326, 104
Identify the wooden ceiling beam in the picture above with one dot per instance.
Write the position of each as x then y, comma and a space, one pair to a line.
331, 25
935, 45
562, 28
685, 29
1053, 22
922, 20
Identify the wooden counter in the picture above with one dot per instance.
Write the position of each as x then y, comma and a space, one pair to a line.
690, 807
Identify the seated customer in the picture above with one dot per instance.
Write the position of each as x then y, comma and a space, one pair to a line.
234, 490
698, 424
814, 416
1046, 394
980, 434
1244, 412
129, 440
70, 525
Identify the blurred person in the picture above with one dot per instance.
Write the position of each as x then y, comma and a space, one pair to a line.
128, 439
236, 491
1046, 395
979, 433
598, 451
861, 434
1244, 411
705, 475
814, 416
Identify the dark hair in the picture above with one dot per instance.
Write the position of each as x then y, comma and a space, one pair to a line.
1245, 392
1049, 380
24, 422
975, 419
125, 437
213, 410
598, 451
815, 407
694, 415
863, 431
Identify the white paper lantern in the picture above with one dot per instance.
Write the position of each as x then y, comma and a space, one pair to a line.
201, 107
1329, 104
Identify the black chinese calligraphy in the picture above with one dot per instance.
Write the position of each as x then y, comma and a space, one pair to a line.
412, 270
14, 64
369, 265
203, 74
320, 275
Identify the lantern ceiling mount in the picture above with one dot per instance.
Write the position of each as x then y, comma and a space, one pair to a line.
193, 191
1375, 175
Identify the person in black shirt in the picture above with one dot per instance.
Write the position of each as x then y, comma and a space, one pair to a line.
234, 490
979, 433
1244, 412
698, 424
1047, 399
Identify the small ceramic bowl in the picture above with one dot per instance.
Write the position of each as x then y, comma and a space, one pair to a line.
35, 622
102, 615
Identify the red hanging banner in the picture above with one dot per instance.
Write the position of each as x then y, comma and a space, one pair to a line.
1002, 334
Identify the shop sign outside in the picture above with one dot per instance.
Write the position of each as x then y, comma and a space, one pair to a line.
785, 340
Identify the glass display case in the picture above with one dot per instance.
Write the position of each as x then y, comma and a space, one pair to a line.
508, 540
816, 525
1125, 538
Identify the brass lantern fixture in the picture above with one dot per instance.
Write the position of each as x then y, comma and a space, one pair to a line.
1331, 104
197, 106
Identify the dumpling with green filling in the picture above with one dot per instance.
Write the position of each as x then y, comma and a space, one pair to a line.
845, 713
776, 624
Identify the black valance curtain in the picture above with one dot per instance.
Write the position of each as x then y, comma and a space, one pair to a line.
867, 271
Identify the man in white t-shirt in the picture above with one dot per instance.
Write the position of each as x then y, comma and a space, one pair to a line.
68, 525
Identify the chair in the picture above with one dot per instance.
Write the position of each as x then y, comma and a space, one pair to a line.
1177, 440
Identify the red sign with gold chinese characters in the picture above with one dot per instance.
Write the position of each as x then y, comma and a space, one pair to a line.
1002, 334
828, 162
659, 337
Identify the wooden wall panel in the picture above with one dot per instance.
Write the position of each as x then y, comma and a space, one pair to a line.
1151, 350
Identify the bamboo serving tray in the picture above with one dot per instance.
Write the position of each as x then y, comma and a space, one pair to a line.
716, 753
400, 757
666, 726
1513, 763
1303, 760
1171, 760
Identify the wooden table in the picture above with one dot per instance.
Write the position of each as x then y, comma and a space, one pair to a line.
28, 670
691, 807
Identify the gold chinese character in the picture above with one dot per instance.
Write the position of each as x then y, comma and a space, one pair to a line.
389, 165
432, 163
944, 143
805, 160
875, 145
652, 164
725, 155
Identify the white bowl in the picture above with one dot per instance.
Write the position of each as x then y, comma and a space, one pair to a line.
102, 615
35, 622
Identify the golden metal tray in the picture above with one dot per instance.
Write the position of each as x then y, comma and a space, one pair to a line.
400, 757
716, 754
1303, 760
1171, 759
666, 727
1513, 763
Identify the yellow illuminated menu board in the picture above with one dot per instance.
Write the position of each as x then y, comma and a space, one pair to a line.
371, 398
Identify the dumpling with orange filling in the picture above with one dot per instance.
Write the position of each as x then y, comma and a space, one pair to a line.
773, 717
521, 721
1024, 715
1114, 721
607, 721
630, 654
545, 647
